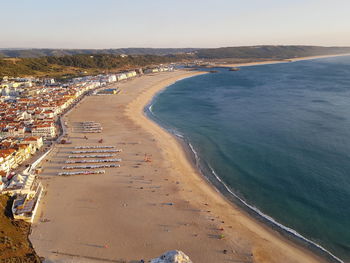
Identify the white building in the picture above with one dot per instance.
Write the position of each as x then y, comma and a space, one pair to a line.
131, 74
121, 76
44, 130
37, 142
112, 78
2, 184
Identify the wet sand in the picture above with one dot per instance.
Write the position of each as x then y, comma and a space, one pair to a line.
144, 208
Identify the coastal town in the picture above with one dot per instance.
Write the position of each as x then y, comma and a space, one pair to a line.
175, 131
105, 156
31, 125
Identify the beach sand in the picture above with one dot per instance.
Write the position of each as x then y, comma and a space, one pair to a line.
230, 65
142, 209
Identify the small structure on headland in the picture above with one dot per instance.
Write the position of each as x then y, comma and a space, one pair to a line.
173, 256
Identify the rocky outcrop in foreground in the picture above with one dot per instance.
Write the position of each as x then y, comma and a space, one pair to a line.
173, 256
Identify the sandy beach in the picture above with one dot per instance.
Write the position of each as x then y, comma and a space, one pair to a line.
229, 65
144, 208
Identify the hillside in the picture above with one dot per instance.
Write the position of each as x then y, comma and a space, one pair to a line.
14, 243
73, 62
70, 66
268, 52
245, 52
35, 53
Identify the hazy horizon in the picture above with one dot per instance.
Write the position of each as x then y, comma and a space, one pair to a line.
108, 24
141, 47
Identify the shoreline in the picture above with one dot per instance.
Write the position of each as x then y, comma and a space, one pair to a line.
287, 60
222, 188
210, 177
191, 157
178, 207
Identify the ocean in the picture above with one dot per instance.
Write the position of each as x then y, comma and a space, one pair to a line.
275, 139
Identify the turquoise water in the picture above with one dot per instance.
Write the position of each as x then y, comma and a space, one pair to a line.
278, 136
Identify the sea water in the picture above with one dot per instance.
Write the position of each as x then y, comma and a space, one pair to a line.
277, 138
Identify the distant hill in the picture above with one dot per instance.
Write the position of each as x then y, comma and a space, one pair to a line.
268, 52
35, 53
80, 64
245, 52
64, 63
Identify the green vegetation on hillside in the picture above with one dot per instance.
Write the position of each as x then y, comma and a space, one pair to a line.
264, 51
37, 52
61, 64
107, 61
74, 65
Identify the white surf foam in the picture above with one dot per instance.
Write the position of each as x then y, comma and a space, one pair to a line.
195, 153
272, 220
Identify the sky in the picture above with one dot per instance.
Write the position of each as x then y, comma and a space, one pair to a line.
172, 23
